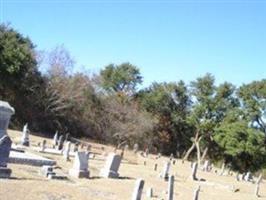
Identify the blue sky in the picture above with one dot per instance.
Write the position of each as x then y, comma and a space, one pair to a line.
167, 40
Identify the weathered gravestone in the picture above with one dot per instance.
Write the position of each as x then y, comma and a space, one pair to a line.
194, 171
67, 151
80, 166
25, 141
170, 194
138, 189
135, 148
43, 146
206, 166
165, 172
5, 146
111, 167
149, 192
60, 143
6, 111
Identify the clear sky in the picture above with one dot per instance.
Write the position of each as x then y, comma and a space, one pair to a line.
167, 40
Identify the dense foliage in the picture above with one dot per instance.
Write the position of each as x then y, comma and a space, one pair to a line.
198, 120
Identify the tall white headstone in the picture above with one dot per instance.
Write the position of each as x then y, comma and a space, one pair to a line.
170, 194
194, 171
111, 167
165, 172
67, 150
80, 166
25, 141
55, 139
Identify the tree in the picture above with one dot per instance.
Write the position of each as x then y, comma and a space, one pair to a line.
169, 103
121, 78
253, 98
243, 147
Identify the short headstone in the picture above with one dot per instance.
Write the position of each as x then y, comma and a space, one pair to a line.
170, 194
149, 192
80, 166
25, 141
5, 146
155, 167
194, 171
43, 146
135, 148
76, 147
46, 170
248, 177
60, 143
165, 172
67, 151
111, 167
206, 166
222, 170
138, 189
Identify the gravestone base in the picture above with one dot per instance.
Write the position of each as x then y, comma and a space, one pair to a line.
79, 173
108, 174
25, 143
5, 172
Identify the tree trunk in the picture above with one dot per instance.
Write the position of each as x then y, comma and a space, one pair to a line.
198, 150
189, 151
204, 153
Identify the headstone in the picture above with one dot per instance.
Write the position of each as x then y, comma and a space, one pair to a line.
135, 148
67, 137
237, 176
165, 172
170, 194
66, 151
6, 111
171, 156
155, 167
111, 167
25, 141
196, 193
248, 177
5, 146
146, 152
138, 189
76, 147
80, 166
60, 143
46, 170
222, 170
55, 139
206, 166
194, 171
149, 192
43, 145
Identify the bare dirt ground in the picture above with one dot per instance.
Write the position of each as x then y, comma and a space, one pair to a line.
27, 184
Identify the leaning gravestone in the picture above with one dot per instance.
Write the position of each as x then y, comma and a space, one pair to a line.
6, 111
60, 143
80, 166
111, 167
55, 139
25, 141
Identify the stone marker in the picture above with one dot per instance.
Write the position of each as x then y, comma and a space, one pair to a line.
80, 166
165, 172
5, 146
46, 170
248, 177
43, 146
25, 141
138, 189
60, 143
76, 147
196, 193
170, 194
55, 139
155, 167
6, 111
135, 148
222, 170
206, 166
194, 171
67, 151
149, 192
111, 167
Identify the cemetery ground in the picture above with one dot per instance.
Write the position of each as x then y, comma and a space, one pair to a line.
27, 184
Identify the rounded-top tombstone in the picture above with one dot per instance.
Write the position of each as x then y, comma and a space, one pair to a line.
6, 111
